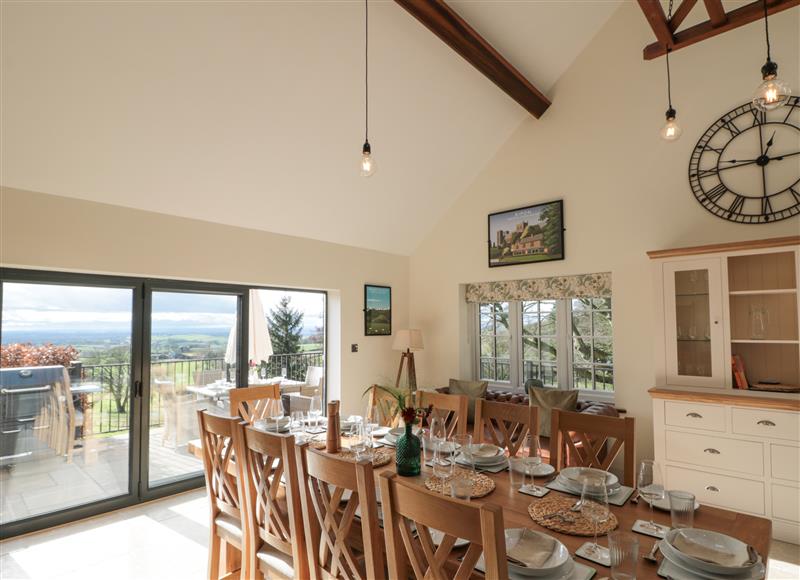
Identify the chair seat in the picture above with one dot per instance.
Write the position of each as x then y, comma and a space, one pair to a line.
274, 561
229, 528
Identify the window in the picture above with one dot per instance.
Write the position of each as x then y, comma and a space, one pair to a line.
495, 342
564, 343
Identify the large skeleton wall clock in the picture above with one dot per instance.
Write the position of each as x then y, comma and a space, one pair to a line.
746, 167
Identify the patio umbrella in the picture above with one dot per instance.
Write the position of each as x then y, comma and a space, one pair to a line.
260, 344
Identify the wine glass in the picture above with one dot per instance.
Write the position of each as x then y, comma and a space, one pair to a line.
358, 441
275, 411
651, 487
462, 444
315, 409
438, 433
297, 426
594, 507
443, 464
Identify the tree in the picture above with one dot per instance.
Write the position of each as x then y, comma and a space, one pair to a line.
285, 324
551, 216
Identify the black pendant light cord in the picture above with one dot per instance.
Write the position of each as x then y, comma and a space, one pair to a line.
670, 110
366, 71
766, 30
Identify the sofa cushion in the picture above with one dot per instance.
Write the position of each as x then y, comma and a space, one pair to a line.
473, 390
549, 399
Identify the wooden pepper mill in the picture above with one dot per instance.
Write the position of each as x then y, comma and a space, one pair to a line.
333, 443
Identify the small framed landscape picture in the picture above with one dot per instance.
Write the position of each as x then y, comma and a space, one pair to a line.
377, 310
528, 234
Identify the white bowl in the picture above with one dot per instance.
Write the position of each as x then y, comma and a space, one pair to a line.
576, 475
552, 566
710, 539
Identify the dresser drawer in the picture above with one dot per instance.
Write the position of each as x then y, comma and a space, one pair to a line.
785, 502
717, 452
772, 424
785, 461
695, 416
724, 491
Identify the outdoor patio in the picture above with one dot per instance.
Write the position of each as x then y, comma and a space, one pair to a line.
98, 470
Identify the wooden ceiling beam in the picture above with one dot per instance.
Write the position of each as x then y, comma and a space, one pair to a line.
456, 33
681, 13
716, 13
735, 18
657, 19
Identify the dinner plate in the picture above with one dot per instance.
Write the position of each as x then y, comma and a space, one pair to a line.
576, 487
488, 462
663, 503
708, 538
673, 556
552, 566
577, 475
543, 469
438, 536
561, 574
395, 433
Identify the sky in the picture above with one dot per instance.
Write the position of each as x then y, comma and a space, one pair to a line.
43, 307
378, 297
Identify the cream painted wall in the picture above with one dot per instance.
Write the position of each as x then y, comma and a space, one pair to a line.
50, 232
625, 191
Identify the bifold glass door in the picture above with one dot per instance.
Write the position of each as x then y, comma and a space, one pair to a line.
65, 396
193, 352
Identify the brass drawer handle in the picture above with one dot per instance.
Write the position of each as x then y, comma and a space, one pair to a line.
766, 423
694, 415
712, 488
711, 450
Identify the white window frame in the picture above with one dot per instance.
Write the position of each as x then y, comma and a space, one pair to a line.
564, 364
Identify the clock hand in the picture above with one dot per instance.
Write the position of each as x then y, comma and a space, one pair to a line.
769, 143
781, 157
739, 164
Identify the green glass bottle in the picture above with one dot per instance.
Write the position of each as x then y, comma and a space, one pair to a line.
407, 453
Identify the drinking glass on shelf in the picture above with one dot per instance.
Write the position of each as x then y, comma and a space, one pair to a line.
623, 550
594, 507
681, 509
651, 488
315, 409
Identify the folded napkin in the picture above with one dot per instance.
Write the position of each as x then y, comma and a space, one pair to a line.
707, 553
533, 549
483, 450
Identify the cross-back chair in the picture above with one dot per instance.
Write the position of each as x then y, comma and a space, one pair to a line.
252, 403
405, 504
505, 424
382, 408
454, 409
226, 526
594, 433
334, 545
275, 542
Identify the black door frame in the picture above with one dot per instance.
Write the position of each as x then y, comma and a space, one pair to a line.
142, 288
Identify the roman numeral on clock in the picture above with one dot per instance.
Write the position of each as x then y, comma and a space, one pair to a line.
736, 205
759, 117
716, 193
732, 128
766, 206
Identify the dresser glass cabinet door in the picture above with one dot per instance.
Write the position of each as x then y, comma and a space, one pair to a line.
693, 311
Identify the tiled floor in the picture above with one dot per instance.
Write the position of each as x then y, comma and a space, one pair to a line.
166, 540
45, 482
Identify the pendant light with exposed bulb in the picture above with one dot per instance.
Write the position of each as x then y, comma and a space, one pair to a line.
773, 92
367, 165
671, 131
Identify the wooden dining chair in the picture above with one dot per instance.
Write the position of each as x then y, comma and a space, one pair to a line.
252, 403
405, 504
454, 408
227, 529
587, 438
335, 547
382, 408
505, 424
274, 542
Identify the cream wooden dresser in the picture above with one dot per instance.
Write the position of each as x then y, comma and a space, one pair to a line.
720, 308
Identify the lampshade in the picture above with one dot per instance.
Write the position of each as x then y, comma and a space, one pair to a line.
408, 340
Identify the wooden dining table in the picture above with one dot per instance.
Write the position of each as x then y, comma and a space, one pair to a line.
752, 530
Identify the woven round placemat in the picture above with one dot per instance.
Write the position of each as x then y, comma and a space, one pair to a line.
573, 523
482, 484
380, 457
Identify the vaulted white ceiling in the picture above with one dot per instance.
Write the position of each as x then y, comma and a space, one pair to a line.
251, 113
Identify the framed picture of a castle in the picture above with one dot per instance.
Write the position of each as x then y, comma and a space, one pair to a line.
527, 234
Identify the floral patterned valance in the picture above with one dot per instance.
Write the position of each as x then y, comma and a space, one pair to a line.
596, 285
